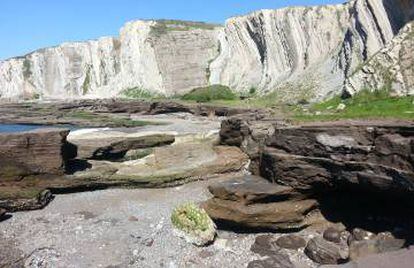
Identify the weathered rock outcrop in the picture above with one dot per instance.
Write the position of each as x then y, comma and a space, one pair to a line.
31, 153
253, 202
365, 155
39, 155
392, 68
303, 52
376, 158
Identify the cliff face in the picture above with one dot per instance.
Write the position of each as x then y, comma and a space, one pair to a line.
391, 68
301, 52
165, 57
306, 52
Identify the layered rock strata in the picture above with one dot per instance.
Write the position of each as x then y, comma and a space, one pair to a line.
38, 152
392, 68
253, 202
369, 156
301, 52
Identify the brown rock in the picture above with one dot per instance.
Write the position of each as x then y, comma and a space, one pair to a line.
325, 252
278, 216
323, 174
252, 189
291, 242
41, 151
116, 147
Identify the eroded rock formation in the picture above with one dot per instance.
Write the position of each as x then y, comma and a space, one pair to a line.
392, 68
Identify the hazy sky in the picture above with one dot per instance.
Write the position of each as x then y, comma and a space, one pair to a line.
26, 25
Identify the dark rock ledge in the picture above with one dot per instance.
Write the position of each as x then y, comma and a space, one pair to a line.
355, 173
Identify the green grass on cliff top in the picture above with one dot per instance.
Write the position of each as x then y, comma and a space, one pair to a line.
364, 105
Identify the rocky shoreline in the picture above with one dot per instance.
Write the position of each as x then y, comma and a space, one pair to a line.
342, 189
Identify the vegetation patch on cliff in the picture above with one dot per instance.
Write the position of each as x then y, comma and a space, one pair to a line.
210, 93
164, 26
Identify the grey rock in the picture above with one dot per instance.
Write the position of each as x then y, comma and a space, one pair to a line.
325, 252
335, 235
363, 248
275, 261
394, 60
359, 234
265, 245
291, 242
402, 259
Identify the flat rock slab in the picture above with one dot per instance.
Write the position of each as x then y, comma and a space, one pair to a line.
167, 166
286, 215
113, 144
252, 189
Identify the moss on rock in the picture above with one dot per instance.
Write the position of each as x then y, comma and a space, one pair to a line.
193, 224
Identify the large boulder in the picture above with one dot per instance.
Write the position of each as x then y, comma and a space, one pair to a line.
253, 202
365, 156
288, 215
43, 151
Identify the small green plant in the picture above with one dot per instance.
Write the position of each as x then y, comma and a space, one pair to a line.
194, 223
210, 93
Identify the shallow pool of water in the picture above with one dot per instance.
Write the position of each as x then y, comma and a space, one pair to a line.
12, 128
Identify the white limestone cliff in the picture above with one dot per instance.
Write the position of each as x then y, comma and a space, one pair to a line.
300, 52
165, 57
392, 68
305, 52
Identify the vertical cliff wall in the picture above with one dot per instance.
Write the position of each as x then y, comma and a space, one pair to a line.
300, 52
167, 57
305, 52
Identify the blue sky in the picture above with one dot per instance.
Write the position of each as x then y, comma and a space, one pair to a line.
26, 25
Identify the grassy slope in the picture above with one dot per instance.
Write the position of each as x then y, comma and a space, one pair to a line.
365, 104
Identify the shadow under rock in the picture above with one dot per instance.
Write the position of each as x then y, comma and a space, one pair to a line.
369, 211
76, 165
